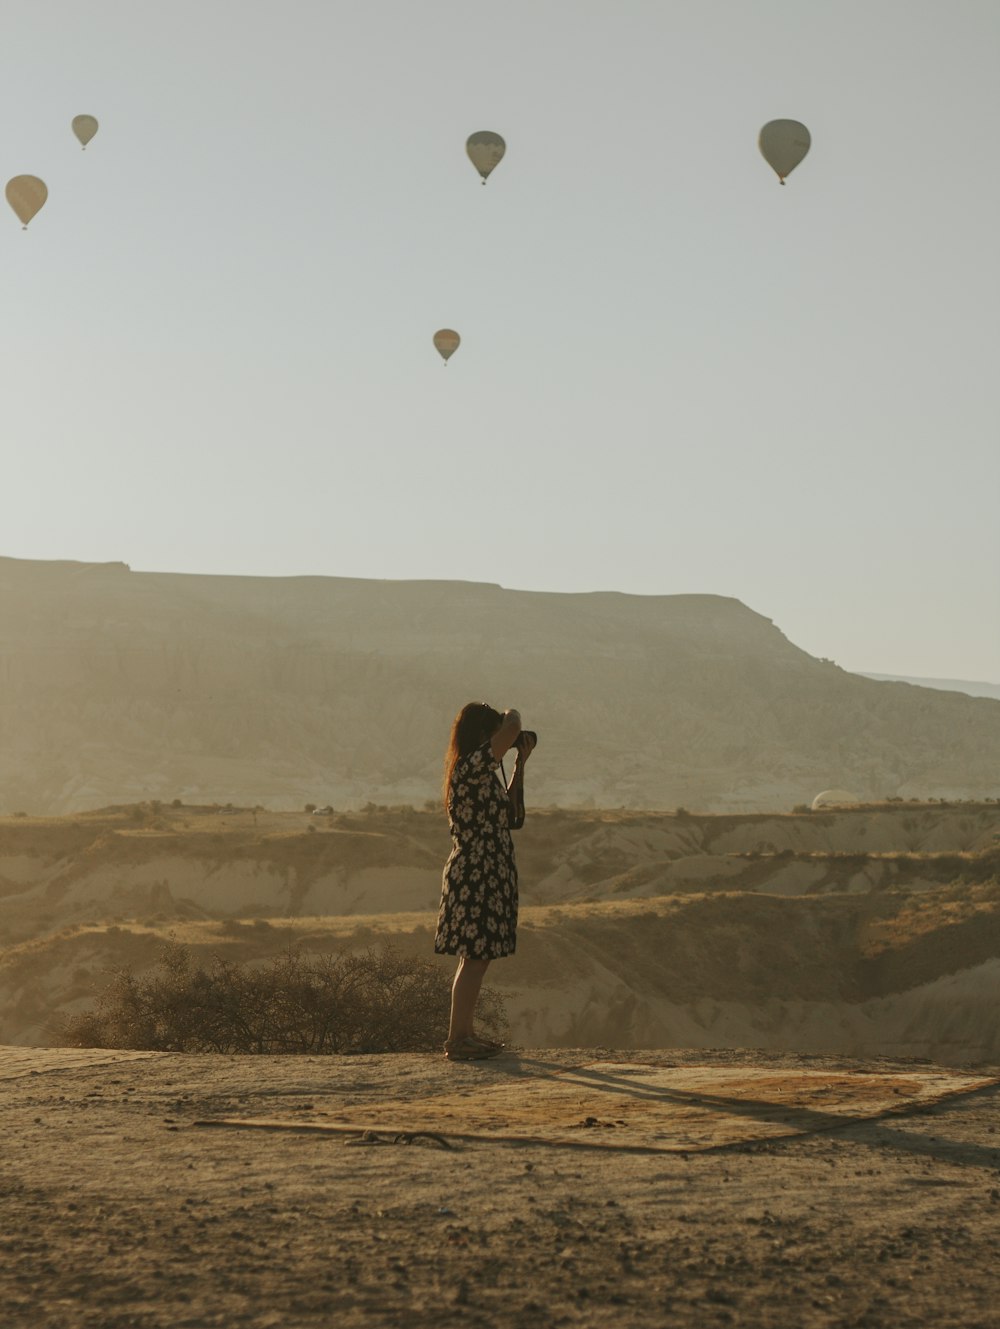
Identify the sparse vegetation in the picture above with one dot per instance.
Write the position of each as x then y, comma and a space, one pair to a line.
378, 1001
208, 877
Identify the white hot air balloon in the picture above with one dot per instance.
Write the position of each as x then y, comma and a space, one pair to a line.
783, 144
833, 798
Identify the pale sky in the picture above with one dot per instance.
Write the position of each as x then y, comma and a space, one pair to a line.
675, 375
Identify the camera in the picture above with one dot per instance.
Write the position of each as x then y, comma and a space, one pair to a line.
527, 733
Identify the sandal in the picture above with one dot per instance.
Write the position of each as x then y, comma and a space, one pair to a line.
470, 1049
490, 1043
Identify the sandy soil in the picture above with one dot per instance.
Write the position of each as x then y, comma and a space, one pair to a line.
120, 1211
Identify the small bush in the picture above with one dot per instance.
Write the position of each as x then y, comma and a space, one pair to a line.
232, 927
681, 812
310, 808
379, 1001
802, 807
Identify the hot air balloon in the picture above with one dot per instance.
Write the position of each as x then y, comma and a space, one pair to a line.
485, 150
84, 127
832, 798
447, 343
783, 144
26, 194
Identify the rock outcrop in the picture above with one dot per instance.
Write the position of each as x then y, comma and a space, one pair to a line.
117, 686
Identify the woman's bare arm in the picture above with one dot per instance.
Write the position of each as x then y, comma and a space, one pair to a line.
506, 736
525, 745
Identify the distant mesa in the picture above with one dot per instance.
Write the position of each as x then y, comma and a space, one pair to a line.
832, 798
119, 686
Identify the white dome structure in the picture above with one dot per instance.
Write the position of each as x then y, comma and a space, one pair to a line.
833, 798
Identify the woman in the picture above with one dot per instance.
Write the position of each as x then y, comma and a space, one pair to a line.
478, 917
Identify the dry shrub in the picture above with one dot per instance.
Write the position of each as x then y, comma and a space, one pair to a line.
378, 1001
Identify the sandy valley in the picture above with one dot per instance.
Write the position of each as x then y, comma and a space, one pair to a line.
863, 931
753, 1079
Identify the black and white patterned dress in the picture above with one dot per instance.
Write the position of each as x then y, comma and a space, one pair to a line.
478, 915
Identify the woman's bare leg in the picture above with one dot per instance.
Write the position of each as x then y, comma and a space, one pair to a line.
464, 994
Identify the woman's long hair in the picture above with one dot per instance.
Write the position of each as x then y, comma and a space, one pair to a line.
474, 724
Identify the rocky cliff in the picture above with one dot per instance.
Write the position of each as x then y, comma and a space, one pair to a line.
117, 685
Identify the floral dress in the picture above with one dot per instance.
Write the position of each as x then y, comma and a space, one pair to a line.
478, 915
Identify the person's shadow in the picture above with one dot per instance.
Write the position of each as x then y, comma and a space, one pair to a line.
865, 1128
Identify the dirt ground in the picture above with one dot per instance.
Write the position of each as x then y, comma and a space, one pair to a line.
118, 1211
